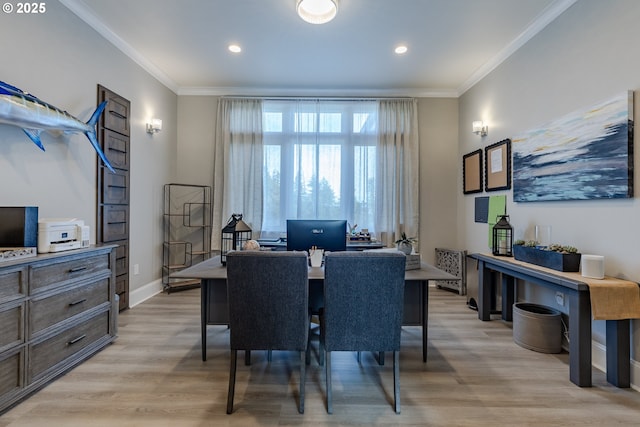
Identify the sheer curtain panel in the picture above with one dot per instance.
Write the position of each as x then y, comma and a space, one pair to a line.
397, 175
238, 159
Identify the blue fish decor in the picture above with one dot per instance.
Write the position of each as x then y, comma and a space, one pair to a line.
18, 108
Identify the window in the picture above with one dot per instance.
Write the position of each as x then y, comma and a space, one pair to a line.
319, 162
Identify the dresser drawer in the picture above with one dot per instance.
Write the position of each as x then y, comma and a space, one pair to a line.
11, 325
48, 311
13, 283
11, 371
43, 276
48, 353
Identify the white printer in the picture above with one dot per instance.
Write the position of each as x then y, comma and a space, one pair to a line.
62, 234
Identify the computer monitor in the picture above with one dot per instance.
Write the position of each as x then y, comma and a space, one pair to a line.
303, 234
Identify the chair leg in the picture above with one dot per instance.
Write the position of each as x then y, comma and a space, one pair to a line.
396, 380
303, 376
321, 354
247, 357
328, 379
381, 358
307, 360
359, 358
232, 380
269, 354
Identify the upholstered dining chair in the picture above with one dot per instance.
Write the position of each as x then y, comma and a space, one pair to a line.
268, 294
363, 302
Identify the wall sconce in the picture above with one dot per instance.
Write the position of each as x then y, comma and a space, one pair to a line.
479, 128
154, 126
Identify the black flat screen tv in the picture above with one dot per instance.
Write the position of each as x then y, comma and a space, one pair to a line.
330, 234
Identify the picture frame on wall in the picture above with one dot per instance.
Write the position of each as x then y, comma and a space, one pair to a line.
583, 155
497, 171
472, 172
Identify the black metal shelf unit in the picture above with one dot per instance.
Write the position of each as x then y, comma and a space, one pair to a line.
187, 232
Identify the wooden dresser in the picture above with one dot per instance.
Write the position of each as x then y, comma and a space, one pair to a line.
56, 310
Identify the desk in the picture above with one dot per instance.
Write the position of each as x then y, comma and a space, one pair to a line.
213, 296
577, 294
356, 245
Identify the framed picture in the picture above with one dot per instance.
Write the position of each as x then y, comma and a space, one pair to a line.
497, 171
472, 172
583, 155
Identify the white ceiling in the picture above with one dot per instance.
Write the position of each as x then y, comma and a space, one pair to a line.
452, 43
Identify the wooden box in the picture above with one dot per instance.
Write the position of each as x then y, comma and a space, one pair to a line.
549, 259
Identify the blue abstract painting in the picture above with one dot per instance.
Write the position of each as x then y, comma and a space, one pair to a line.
587, 154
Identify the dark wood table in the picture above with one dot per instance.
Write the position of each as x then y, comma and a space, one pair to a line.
578, 297
213, 297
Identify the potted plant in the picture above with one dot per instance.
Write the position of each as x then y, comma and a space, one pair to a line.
405, 244
555, 256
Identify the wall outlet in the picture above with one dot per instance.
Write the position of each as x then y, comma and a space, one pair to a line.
136, 269
560, 298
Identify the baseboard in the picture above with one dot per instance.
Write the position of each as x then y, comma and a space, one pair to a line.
599, 361
145, 292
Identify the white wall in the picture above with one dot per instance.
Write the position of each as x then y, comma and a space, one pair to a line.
196, 132
60, 59
588, 54
439, 165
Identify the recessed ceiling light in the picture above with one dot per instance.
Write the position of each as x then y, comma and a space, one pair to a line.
401, 49
235, 48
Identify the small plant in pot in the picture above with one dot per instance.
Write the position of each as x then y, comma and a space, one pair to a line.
405, 244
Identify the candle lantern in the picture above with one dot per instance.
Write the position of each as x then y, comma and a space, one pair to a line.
234, 235
502, 242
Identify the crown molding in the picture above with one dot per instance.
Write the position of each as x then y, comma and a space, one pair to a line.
87, 15
549, 14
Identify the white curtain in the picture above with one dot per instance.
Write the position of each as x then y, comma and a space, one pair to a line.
238, 159
397, 176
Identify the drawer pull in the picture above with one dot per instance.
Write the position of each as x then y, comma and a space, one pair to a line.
75, 340
77, 269
80, 301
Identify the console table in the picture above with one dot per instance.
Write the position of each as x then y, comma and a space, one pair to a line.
213, 296
576, 291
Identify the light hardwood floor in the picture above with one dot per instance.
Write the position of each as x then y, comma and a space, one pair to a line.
475, 376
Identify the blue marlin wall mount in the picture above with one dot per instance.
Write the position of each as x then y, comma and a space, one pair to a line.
32, 115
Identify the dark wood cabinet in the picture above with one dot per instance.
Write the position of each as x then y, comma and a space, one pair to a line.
113, 189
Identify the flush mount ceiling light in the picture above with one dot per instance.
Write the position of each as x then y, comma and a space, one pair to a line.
401, 49
234, 48
317, 11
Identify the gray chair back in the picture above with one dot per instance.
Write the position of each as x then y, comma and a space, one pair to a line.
363, 301
268, 294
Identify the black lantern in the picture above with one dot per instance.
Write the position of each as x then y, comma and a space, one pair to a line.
234, 235
502, 242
